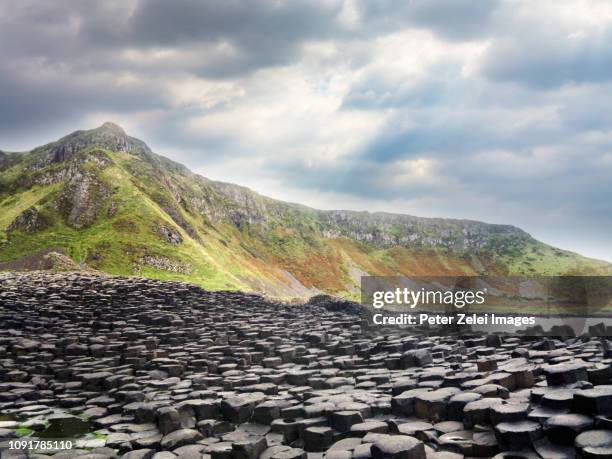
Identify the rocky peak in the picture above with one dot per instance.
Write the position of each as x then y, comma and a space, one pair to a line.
111, 128
108, 136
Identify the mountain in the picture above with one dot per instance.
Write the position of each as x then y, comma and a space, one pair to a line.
103, 200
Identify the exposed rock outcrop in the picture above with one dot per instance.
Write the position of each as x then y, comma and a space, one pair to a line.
48, 259
29, 220
169, 234
82, 199
165, 264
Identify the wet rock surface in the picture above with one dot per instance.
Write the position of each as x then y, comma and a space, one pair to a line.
137, 368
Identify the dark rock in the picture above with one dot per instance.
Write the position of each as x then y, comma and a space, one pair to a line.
65, 426
138, 454
514, 436
168, 420
566, 373
416, 358
166, 367
594, 444
180, 437
249, 448
318, 438
29, 220
563, 429
342, 421
364, 428
597, 400
397, 447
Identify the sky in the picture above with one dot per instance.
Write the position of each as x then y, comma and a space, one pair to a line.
494, 110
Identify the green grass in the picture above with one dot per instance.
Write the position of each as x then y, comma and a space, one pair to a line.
221, 255
541, 259
23, 431
384, 257
11, 205
8, 177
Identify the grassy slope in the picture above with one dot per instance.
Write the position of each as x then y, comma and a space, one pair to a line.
116, 244
287, 258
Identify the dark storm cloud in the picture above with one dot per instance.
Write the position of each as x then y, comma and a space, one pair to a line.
50, 77
256, 33
155, 21
451, 19
27, 102
64, 59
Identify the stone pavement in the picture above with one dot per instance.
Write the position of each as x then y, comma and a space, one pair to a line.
138, 368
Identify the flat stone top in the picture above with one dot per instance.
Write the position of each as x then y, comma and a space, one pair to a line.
393, 444
594, 438
519, 426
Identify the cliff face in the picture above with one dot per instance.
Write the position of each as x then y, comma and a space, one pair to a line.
107, 201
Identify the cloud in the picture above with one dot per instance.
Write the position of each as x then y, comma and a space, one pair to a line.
451, 19
220, 39
551, 61
494, 110
551, 44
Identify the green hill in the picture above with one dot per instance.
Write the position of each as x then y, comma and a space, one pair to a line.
107, 202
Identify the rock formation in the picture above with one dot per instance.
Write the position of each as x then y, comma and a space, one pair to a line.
137, 368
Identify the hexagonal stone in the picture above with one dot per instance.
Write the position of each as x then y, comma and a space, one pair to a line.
403, 404
448, 427
346, 444
563, 428
479, 411
484, 444
342, 421
291, 453
338, 454
597, 400
168, 419
546, 449
594, 444
397, 447
412, 428
559, 399
517, 435
179, 438
137, 454
522, 454
565, 373
249, 448
457, 403
433, 405
221, 450
416, 358
237, 409
203, 409
287, 427
363, 428
457, 441
509, 412
317, 438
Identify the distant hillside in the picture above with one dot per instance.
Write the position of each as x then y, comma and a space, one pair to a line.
109, 203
